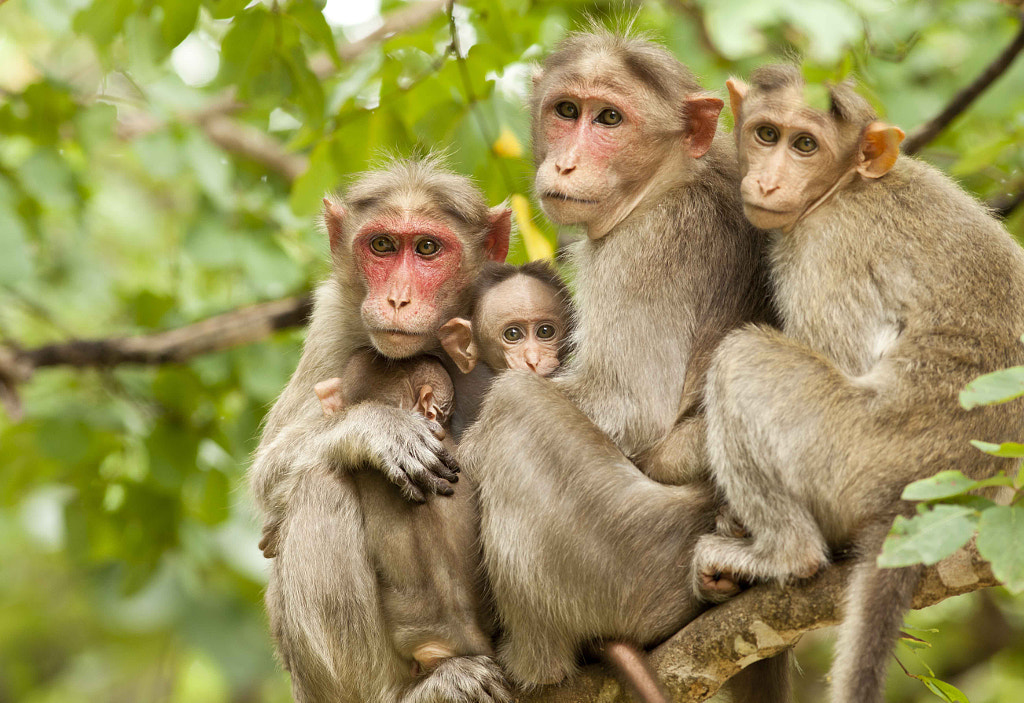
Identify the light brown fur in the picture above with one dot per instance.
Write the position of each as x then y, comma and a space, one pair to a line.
895, 290
578, 544
324, 597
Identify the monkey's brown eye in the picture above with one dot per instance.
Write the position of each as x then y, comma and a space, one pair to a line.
545, 331
382, 245
767, 134
608, 117
567, 110
512, 334
805, 144
427, 247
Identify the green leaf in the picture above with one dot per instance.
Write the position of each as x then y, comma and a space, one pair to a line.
942, 485
927, 538
103, 19
309, 16
16, 262
1013, 450
996, 387
943, 690
223, 9
179, 20
1001, 541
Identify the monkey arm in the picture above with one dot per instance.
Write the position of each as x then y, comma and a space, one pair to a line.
400, 443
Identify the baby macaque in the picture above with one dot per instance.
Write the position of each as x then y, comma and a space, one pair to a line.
521, 319
429, 592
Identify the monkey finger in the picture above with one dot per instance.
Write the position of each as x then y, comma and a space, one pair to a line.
445, 469
449, 461
405, 484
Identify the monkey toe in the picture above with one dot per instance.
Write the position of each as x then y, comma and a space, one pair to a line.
720, 583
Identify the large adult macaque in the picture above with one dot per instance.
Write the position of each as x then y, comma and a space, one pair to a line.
895, 289
579, 545
407, 242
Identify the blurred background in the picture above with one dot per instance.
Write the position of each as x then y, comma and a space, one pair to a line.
161, 168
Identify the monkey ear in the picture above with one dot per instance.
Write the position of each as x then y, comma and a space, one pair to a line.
737, 92
879, 149
499, 229
425, 402
456, 337
334, 215
701, 122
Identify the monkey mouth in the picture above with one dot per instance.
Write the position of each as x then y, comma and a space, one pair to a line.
554, 195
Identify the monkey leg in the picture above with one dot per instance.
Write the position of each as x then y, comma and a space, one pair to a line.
578, 544
780, 422
323, 603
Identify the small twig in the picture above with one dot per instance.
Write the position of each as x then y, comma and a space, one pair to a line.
1004, 206
962, 100
230, 329
244, 140
399, 21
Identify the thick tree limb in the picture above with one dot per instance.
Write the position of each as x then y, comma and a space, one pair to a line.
962, 100
757, 624
249, 142
230, 329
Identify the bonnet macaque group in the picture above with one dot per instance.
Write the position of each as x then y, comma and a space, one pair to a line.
474, 480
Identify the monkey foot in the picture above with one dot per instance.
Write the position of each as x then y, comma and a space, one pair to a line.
720, 583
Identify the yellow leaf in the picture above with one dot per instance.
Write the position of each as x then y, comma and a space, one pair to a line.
537, 245
506, 145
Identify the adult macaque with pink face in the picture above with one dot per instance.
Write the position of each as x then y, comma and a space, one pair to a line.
895, 290
407, 241
579, 545
522, 318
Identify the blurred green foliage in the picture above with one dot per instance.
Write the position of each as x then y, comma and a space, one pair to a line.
127, 539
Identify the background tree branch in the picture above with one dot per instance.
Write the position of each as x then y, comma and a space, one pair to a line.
231, 329
962, 100
759, 623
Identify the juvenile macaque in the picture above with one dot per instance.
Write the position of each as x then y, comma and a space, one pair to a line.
579, 545
407, 242
895, 289
521, 319
424, 556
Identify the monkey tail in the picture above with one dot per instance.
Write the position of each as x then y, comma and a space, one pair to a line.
876, 600
764, 681
633, 669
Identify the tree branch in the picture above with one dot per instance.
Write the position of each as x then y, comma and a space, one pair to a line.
962, 100
761, 622
404, 20
230, 329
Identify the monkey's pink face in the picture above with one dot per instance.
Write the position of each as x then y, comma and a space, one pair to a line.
787, 165
412, 266
584, 136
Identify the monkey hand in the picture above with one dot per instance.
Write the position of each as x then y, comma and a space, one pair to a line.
404, 445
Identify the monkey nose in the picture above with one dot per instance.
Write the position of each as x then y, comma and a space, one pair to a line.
767, 188
564, 170
398, 300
